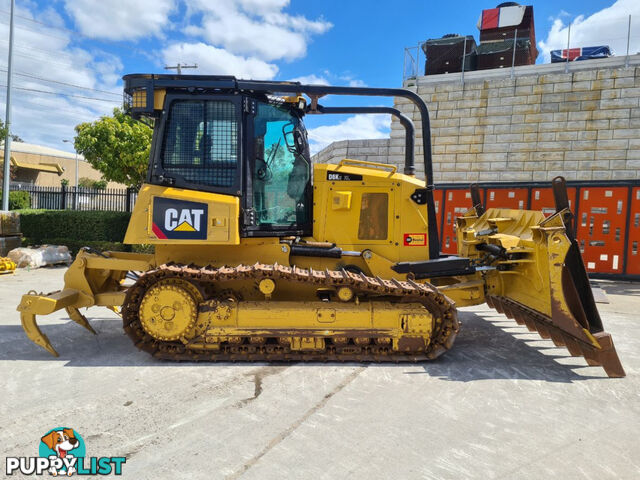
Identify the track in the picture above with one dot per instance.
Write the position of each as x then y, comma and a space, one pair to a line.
208, 279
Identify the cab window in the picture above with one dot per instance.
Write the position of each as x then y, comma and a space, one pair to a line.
280, 172
201, 142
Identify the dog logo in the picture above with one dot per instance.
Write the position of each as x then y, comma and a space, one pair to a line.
179, 219
61, 442
62, 452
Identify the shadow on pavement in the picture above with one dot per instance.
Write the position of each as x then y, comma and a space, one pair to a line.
483, 350
618, 287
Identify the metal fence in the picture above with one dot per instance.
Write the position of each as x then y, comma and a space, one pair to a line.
72, 198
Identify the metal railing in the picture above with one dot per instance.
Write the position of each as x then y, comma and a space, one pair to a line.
415, 58
72, 198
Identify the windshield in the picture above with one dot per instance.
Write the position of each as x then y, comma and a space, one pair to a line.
280, 169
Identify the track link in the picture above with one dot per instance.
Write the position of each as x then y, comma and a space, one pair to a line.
444, 332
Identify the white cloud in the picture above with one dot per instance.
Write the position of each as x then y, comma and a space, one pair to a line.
312, 79
350, 80
263, 6
605, 27
357, 83
43, 56
216, 61
120, 19
353, 128
253, 27
328, 78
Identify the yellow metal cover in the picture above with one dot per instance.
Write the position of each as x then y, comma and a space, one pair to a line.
172, 216
341, 201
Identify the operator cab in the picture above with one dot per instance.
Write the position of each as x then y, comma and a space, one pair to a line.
245, 139
250, 145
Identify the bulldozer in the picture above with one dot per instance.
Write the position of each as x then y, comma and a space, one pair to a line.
262, 256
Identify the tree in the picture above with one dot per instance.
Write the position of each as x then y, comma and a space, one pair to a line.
3, 134
117, 146
12, 171
85, 182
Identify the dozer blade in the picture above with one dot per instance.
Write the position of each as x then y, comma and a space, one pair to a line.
540, 279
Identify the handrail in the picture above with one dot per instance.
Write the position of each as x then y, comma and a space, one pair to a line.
348, 161
409, 130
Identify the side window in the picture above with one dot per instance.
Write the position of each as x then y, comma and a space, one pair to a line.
280, 173
374, 216
201, 142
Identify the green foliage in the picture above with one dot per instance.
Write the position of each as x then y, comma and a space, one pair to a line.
64, 182
3, 131
18, 200
143, 248
102, 231
116, 146
45, 226
85, 182
3, 134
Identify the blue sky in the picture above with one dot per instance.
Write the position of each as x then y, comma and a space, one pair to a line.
67, 50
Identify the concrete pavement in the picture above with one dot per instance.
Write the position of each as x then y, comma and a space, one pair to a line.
502, 404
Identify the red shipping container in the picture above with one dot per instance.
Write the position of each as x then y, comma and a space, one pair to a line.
456, 203
515, 198
633, 249
601, 223
542, 200
438, 196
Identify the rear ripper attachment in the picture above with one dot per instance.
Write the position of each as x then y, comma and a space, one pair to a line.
534, 273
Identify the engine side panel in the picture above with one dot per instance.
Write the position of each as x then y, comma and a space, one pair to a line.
174, 216
359, 207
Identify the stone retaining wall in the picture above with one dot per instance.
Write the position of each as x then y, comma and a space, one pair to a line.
543, 122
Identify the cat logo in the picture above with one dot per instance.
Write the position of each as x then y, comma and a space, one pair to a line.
178, 219
188, 220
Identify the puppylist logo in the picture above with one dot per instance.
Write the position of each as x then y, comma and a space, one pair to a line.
62, 451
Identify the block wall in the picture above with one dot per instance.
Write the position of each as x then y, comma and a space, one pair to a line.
532, 126
543, 122
374, 150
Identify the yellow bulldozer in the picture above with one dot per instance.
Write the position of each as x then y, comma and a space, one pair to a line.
260, 256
